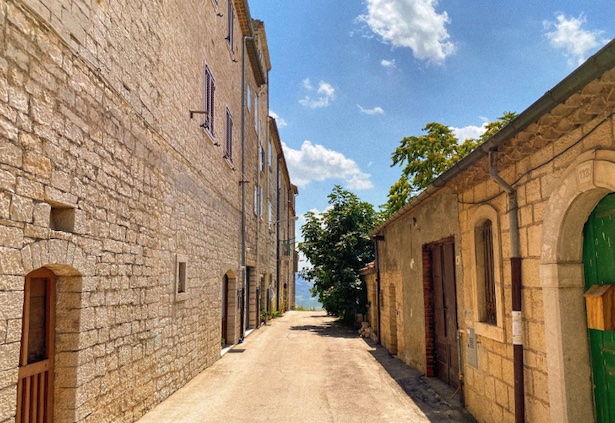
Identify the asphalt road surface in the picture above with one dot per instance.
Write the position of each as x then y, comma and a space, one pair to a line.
304, 367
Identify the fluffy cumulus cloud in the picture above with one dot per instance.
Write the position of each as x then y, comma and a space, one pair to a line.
281, 122
324, 95
314, 162
375, 111
470, 131
411, 23
568, 35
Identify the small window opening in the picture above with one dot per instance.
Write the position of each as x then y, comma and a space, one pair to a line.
62, 218
181, 278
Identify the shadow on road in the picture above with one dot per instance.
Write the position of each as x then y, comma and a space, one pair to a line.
438, 401
331, 329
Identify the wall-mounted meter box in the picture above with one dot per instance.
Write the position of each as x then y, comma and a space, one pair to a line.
600, 305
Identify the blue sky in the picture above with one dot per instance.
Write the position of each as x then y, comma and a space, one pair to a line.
350, 79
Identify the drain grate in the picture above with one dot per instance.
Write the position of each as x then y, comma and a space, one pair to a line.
237, 350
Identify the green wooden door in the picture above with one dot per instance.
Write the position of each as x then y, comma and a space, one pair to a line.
599, 265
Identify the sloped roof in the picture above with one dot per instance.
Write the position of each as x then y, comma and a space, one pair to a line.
584, 94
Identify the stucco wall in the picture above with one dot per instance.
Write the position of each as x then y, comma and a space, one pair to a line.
401, 264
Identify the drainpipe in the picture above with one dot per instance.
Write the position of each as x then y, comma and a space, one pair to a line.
515, 274
277, 232
243, 182
376, 239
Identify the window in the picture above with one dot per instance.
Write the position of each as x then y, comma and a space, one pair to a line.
228, 150
486, 245
262, 156
210, 89
256, 200
249, 98
231, 18
487, 283
181, 278
256, 112
270, 153
271, 222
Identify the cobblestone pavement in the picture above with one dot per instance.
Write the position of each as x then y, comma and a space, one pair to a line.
304, 367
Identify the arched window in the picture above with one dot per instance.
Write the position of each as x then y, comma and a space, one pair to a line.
484, 258
487, 281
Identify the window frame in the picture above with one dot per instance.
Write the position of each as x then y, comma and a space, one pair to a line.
230, 36
181, 277
209, 102
492, 330
228, 146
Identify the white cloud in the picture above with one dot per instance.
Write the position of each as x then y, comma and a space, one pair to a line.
375, 111
388, 64
470, 131
411, 23
314, 162
566, 34
281, 122
325, 95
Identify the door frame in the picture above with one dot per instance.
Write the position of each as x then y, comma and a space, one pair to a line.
431, 349
33, 370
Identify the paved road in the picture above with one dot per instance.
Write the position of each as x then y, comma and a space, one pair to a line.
304, 367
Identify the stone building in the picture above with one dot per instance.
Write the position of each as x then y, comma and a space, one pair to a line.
131, 141
494, 302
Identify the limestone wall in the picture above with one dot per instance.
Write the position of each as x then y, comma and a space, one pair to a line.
489, 386
94, 101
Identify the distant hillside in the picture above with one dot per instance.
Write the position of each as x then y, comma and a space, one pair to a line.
303, 296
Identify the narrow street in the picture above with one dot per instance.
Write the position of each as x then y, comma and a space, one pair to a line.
304, 367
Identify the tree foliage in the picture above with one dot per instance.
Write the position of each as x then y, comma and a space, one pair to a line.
337, 245
423, 158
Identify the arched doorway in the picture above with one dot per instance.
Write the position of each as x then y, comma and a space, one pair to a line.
599, 269
572, 199
36, 361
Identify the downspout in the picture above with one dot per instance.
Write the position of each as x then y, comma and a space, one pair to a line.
243, 182
515, 274
277, 232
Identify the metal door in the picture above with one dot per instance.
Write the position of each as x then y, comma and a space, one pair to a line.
35, 379
599, 267
445, 312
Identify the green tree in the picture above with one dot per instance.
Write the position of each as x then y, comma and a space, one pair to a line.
337, 245
423, 158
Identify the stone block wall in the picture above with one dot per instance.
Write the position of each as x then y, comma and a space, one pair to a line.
95, 125
489, 386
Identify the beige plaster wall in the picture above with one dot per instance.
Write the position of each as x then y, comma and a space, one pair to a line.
400, 261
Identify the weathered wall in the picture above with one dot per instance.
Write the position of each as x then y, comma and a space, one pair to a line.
489, 387
94, 101
401, 265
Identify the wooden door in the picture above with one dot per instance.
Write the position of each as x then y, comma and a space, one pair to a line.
35, 380
445, 312
224, 332
599, 268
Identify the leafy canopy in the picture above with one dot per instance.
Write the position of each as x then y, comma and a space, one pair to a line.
423, 158
337, 245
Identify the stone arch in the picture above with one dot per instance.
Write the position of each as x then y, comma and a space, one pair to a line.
575, 195
69, 264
